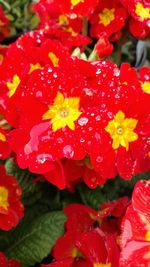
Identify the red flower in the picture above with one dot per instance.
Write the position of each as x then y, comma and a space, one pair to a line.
144, 78
11, 209
103, 47
89, 110
55, 23
8, 263
55, 113
99, 249
79, 7
107, 142
140, 22
29, 53
111, 214
135, 237
108, 18
80, 218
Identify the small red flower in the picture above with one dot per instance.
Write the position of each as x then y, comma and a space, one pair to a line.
99, 249
135, 237
103, 47
28, 54
11, 209
79, 7
144, 79
108, 18
8, 263
140, 18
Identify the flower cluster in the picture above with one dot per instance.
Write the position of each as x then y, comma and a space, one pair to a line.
106, 20
135, 236
117, 235
8, 263
84, 116
11, 208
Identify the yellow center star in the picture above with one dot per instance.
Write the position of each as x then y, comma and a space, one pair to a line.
146, 87
102, 265
76, 2
107, 16
63, 20
121, 130
34, 67
53, 58
142, 12
12, 86
147, 236
3, 198
63, 112
2, 137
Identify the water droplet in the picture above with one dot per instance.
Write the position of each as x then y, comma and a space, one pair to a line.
99, 159
116, 72
82, 140
59, 140
90, 129
98, 118
88, 91
55, 75
44, 157
39, 94
68, 151
97, 136
83, 121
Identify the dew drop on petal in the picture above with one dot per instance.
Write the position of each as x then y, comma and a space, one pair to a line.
41, 158
116, 72
68, 151
90, 129
98, 118
83, 121
99, 159
59, 140
39, 94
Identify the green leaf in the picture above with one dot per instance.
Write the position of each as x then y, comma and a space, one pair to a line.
92, 197
31, 190
33, 242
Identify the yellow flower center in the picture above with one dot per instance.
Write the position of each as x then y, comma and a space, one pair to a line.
53, 58
142, 12
2, 137
34, 67
107, 16
3, 197
63, 20
102, 265
12, 86
70, 30
146, 87
63, 112
76, 2
147, 236
121, 130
